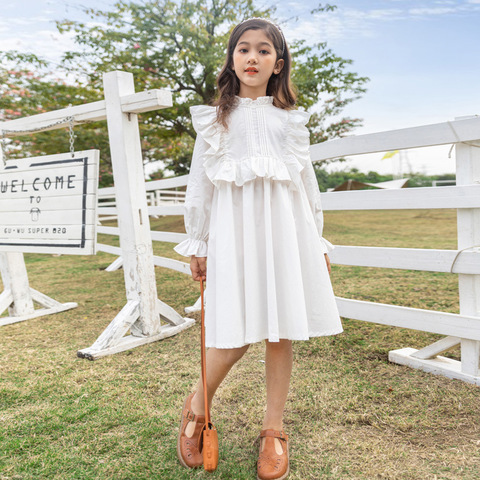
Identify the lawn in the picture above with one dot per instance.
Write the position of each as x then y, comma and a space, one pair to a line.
350, 414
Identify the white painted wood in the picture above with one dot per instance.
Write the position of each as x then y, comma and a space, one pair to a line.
107, 210
465, 130
53, 203
101, 247
167, 210
470, 356
172, 264
61, 307
60, 194
115, 265
74, 231
444, 323
129, 182
47, 217
106, 192
15, 280
6, 299
196, 307
403, 198
90, 246
44, 300
407, 258
158, 261
118, 327
146, 101
447, 367
160, 210
34, 217
168, 314
436, 348
130, 341
171, 237
143, 312
170, 182
89, 112
468, 228
18, 296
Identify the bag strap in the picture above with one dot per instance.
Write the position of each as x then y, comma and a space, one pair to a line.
204, 361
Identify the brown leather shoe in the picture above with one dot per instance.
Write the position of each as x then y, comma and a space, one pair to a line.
188, 447
271, 465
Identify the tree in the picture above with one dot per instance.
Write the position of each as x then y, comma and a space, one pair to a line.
181, 46
28, 87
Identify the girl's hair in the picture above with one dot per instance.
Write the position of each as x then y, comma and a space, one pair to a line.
279, 86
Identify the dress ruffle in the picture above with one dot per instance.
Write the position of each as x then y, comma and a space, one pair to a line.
192, 246
221, 168
328, 246
297, 138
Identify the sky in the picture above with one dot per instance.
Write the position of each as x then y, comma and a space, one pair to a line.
421, 58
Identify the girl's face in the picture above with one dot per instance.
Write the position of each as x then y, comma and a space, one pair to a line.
254, 62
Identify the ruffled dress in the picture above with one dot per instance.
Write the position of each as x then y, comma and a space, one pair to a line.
253, 208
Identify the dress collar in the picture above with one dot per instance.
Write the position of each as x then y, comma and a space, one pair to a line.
267, 100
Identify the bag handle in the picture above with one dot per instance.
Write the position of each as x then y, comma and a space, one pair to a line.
209, 433
204, 360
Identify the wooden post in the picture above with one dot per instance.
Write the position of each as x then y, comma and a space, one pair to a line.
468, 235
130, 194
18, 296
143, 312
468, 228
15, 283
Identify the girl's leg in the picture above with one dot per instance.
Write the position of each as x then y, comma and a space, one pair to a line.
219, 363
278, 368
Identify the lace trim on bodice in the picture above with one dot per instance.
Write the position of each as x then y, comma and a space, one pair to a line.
221, 167
267, 100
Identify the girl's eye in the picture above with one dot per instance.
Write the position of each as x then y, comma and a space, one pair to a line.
241, 50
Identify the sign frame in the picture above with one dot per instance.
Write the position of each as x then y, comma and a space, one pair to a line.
56, 180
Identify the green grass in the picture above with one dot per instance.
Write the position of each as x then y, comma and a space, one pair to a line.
350, 413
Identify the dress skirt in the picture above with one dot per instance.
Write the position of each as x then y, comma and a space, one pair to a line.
267, 276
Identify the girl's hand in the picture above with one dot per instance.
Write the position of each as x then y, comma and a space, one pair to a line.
328, 264
198, 266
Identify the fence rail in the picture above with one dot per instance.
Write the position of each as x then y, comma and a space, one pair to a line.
463, 328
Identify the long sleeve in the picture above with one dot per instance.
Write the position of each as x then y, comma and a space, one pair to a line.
313, 193
298, 146
198, 202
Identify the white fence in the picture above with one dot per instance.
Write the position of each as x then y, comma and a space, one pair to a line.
157, 195
144, 315
463, 328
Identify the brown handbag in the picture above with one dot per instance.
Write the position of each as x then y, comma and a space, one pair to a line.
209, 435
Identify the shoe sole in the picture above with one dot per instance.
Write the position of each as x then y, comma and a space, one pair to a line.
285, 475
179, 453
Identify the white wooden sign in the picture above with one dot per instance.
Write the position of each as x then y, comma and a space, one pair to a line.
48, 204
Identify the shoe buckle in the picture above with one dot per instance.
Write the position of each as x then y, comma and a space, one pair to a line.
190, 416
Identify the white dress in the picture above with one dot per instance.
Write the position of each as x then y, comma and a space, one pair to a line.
252, 207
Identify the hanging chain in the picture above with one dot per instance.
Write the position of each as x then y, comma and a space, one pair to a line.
70, 120
72, 136
4, 148
39, 129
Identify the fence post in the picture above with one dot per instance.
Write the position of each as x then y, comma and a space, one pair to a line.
468, 231
15, 283
130, 194
144, 312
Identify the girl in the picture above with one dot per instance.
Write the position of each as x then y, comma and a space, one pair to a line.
253, 209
